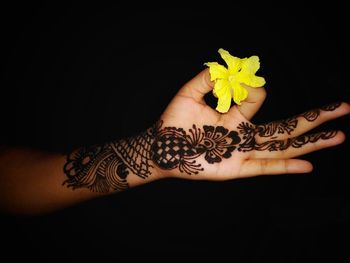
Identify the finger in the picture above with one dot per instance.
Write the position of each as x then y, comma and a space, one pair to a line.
256, 167
197, 87
252, 103
297, 125
297, 146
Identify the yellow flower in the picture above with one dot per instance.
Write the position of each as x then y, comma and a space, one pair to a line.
228, 80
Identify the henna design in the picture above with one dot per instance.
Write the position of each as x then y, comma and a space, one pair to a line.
289, 125
280, 127
331, 107
174, 148
135, 152
249, 143
97, 168
105, 168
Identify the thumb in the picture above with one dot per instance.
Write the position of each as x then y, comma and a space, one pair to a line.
250, 106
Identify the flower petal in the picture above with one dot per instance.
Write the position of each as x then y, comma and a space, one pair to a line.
223, 93
250, 65
239, 93
216, 71
233, 63
247, 74
224, 103
250, 80
221, 87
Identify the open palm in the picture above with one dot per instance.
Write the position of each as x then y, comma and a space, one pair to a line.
197, 142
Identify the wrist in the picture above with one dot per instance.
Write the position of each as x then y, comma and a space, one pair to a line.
137, 154
113, 166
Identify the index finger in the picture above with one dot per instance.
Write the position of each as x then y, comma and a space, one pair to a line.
197, 87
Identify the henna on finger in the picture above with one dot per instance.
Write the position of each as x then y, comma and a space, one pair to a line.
249, 143
287, 126
106, 168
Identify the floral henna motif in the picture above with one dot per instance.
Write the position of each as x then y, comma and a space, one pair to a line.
174, 148
104, 168
218, 143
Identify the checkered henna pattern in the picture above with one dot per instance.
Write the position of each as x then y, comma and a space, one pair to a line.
175, 148
105, 168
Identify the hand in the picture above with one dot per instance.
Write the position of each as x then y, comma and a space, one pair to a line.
194, 141
191, 140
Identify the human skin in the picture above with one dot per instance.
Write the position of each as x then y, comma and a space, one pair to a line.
190, 141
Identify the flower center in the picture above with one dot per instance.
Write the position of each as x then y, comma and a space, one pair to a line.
209, 144
231, 78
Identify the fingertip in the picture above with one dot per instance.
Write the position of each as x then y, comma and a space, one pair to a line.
308, 167
331, 139
346, 107
300, 166
341, 137
207, 78
338, 138
343, 109
255, 95
255, 99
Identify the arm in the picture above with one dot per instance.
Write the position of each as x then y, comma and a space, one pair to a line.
33, 181
190, 140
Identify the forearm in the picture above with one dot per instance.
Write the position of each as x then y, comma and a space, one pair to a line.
35, 182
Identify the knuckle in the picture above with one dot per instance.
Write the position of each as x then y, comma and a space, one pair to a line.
263, 166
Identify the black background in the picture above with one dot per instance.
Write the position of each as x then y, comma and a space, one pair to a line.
79, 74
